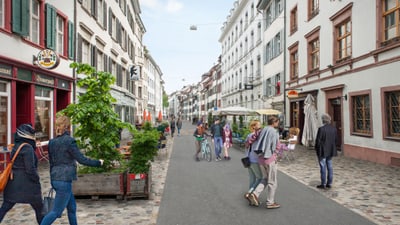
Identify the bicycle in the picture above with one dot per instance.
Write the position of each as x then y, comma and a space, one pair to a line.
206, 149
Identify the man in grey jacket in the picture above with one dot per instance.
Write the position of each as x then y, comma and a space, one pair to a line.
264, 144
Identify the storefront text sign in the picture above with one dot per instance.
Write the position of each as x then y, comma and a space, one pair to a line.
292, 94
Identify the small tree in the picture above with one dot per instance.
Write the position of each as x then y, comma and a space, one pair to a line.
143, 149
98, 126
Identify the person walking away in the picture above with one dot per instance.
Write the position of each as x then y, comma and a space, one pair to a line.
227, 139
24, 186
217, 132
63, 154
265, 145
325, 146
172, 126
199, 134
179, 126
255, 174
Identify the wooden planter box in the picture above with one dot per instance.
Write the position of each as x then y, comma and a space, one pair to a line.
97, 185
138, 185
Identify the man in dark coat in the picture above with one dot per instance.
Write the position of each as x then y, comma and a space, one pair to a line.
325, 146
25, 185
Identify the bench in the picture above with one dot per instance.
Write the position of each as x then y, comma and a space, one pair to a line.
237, 139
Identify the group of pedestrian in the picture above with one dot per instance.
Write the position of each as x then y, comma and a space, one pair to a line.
261, 148
175, 124
25, 187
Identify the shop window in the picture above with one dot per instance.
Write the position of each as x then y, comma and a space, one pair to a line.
3, 114
43, 113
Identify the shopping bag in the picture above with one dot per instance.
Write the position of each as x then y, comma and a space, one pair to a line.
48, 202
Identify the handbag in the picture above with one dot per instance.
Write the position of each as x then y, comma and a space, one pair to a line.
7, 172
246, 162
48, 202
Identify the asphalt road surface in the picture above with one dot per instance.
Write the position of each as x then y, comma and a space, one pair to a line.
211, 193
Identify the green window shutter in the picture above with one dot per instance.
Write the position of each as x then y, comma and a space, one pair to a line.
51, 16
20, 17
71, 40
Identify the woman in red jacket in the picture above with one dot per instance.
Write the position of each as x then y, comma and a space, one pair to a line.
227, 139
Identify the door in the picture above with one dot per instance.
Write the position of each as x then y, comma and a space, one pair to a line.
337, 121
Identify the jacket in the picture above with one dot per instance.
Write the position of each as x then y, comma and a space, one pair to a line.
25, 186
63, 155
266, 142
325, 143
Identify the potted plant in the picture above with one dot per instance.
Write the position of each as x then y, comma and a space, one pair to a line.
143, 150
97, 131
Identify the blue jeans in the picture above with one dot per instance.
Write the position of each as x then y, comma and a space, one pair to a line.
325, 164
218, 146
255, 176
64, 199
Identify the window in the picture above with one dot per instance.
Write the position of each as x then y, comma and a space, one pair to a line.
35, 22
342, 34
4, 108
86, 55
361, 114
313, 50
391, 20
391, 113
293, 20
278, 8
114, 27
294, 62
60, 34
313, 8
43, 112
87, 4
100, 61
314, 54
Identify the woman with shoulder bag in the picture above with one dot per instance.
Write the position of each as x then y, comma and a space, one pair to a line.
24, 187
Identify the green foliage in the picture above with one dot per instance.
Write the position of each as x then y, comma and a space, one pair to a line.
235, 127
165, 102
210, 119
241, 121
98, 126
143, 149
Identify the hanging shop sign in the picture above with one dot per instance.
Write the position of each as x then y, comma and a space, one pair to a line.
292, 94
47, 59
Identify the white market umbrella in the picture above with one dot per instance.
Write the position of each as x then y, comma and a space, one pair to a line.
234, 111
311, 122
268, 112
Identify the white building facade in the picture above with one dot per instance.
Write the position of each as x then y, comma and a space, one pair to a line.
347, 58
241, 63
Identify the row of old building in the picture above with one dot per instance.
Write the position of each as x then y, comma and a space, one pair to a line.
41, 38
343, 53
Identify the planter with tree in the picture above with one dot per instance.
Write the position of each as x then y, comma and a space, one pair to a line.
97, 131
143, 150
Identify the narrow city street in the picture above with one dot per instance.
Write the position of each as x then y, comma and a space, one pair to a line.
186, 192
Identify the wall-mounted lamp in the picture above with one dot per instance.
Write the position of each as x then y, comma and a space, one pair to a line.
344, 97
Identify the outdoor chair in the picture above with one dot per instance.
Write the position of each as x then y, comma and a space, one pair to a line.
42, 155
287, 147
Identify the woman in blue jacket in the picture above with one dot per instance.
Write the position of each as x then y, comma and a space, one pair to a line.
63, 154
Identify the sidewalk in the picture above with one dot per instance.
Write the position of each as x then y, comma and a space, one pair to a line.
370, 189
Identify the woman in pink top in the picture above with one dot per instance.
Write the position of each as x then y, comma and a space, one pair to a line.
227, 139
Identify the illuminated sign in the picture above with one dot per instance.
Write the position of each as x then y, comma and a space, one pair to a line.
292, 94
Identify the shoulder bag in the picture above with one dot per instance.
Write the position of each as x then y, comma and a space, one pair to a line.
7, 172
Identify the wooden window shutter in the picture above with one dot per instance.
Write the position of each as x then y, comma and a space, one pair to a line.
105, 15
71, 40
79, 47
51, 16
20, 17
110, 22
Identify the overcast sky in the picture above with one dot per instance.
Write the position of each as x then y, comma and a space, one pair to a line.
183, 55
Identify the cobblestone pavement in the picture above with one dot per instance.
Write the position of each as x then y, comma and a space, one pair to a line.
369, 189
372, 190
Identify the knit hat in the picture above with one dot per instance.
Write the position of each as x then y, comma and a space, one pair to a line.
26, 131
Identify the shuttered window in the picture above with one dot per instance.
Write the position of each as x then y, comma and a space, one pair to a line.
51, 28
20, 17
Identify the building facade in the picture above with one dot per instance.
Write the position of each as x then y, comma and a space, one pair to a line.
350, 69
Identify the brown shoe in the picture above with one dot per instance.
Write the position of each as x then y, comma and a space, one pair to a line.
273, 206
246, 196
253, 199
